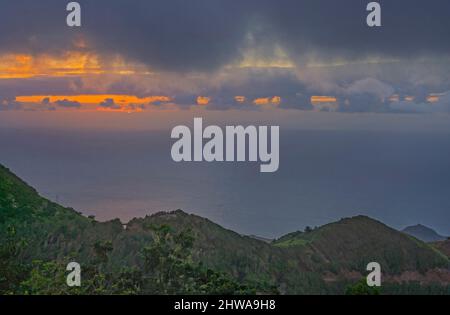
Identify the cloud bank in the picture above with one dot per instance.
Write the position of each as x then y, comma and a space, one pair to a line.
235, 52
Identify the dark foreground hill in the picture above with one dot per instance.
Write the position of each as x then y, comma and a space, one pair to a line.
423, 233
175, 252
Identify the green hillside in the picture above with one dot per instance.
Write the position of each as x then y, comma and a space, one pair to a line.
50, 230
443, 246
352, 242
175, 252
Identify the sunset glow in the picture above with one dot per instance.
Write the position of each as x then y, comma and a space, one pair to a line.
240, 99
94, 99
323, 99
276, 100
203, 100
70, 63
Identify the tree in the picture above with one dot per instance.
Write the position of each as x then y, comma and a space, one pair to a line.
169, 268
45, 278
12, 272
361, 288
102, 249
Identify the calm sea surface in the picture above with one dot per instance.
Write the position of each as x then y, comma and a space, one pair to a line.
399, 178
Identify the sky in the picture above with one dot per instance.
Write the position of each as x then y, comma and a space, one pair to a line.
313, 67
251, 55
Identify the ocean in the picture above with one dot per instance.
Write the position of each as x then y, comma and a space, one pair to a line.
398, 177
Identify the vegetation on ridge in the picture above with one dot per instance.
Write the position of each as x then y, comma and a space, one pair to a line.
178, 253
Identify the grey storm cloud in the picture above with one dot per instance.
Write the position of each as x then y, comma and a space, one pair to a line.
37, 86
68, 104
180, 38
261, 83
7, 104
47, 105
109, 103
45, 101
202, 35
365, 95
419, 106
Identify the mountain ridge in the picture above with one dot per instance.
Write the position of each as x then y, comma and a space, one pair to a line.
423, 233
320, 260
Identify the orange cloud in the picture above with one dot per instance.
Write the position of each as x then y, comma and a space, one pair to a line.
92, 102
94, 99
240, 99
434, 97
276, 100
261, 101
27, 66
13, 66
328, 103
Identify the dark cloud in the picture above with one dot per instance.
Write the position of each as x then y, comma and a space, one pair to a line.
47, 105
363, 103
337, 28
38, 86
408, 55
9, 104
45, 101
35, 27
260, 83
68, 104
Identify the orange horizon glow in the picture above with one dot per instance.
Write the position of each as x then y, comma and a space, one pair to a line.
17, 66
69, 63
92, 102
95, 99
203, 100
434, 97
323, 99
276, 100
